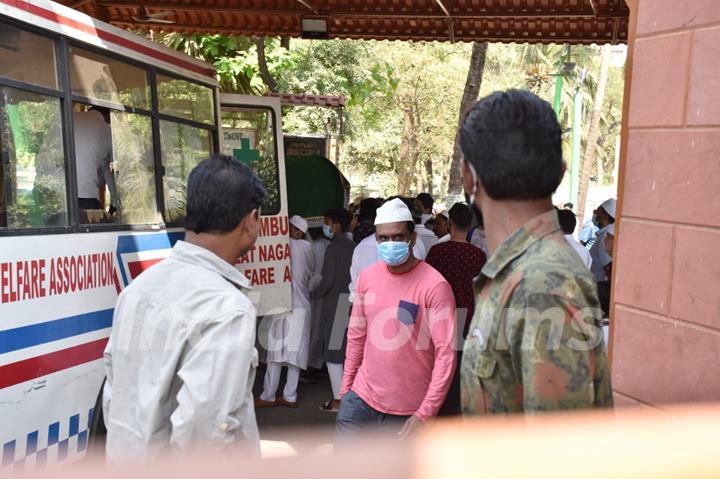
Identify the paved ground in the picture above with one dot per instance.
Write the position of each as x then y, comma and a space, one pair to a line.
285, 431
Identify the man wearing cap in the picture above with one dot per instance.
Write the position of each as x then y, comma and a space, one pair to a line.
400, 353
603, 218
535, 342
289, 339
442, 227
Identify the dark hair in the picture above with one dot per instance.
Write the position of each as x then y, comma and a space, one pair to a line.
426, 200
461, 216
341, 216
368, 209
513, 141
221, 191
567, 221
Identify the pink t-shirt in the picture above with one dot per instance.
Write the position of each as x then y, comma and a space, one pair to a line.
401, 341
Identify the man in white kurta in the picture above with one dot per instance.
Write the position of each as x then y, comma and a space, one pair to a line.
604, 217
289, 338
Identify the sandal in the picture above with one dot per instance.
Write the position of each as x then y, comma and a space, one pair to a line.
282, 402
330, 406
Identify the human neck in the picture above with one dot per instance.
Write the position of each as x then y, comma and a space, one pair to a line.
406, 266
219, 244
459, 236
503, 218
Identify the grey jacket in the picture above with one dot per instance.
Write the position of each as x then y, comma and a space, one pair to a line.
333, 290
181, 360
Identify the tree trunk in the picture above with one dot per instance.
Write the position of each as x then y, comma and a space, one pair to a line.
470, 96
405, 167
591, 144
285, 42
262, 64
429, 175
600, 171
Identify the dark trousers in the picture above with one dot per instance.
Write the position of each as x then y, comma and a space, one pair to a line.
356, 416
451, 405
89, 204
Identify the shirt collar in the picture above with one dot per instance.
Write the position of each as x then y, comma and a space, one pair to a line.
199, 256
603, 230
518, 242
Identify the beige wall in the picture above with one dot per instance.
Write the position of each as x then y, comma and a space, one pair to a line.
666, 331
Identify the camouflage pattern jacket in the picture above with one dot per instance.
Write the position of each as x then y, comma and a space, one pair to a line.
535, 342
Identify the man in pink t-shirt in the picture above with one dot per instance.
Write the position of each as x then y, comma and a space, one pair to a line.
401, 339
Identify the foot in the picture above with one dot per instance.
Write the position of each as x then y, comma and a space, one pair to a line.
283, 402
331, 406
262, 404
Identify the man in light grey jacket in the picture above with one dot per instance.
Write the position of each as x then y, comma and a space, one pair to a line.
181, 358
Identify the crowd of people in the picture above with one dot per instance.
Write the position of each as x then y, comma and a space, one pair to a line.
414, 311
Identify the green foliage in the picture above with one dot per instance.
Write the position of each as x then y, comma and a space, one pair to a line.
234, 57
382, 81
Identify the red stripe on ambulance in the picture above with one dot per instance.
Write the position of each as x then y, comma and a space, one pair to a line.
111, 37
21, 371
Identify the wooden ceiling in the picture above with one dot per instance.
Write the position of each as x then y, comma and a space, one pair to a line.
545, 21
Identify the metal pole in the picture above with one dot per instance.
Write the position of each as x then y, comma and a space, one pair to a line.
558, 94
338, 132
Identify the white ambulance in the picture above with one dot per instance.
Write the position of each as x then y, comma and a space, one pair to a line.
75, 229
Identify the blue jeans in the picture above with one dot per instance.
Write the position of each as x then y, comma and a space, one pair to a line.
356, 416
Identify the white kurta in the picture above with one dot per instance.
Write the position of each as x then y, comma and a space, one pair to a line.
600, 258
289, 338
427, 237
580, 249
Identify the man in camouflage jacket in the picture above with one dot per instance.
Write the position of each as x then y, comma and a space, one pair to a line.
535, 342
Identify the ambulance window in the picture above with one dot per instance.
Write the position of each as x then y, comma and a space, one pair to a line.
185, 99
249, 136
101, 78
33, 161
133, 168
27, 57
182, 148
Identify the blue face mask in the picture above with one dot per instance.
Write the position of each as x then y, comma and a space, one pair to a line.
393, 253
327, 231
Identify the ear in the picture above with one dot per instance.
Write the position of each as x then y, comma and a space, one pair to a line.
413, 239
467, 178
251, 220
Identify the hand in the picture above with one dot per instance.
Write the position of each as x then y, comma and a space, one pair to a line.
412, 424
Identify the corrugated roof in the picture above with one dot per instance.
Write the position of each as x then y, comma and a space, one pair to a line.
547, 21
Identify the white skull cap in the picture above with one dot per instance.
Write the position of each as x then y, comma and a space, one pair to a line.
393, 211
299, 223
609, 206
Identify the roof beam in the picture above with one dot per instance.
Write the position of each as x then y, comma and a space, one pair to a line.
177, 6
79, 3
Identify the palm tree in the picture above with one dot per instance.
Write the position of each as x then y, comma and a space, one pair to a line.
591, 145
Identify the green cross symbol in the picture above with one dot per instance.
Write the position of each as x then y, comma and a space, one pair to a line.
245, 154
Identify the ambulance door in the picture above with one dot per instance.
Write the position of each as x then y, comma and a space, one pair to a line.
251, 132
